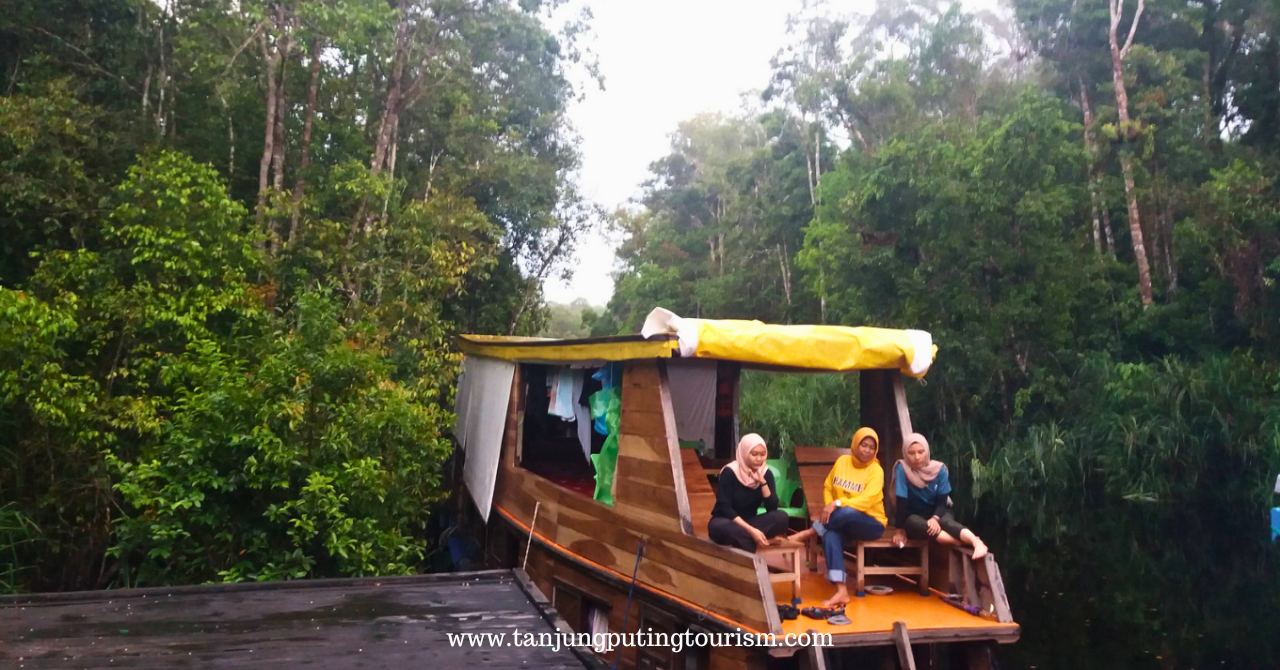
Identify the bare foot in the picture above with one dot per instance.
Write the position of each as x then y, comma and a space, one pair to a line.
804, 535
979, 549
840, 598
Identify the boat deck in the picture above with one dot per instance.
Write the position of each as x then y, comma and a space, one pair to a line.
928, 619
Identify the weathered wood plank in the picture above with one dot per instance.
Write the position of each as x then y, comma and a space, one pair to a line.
738, 576
644, 424
641, 374
660, 500
970, 582
640, 448
710, 593
652, 472
767, 600
817, 656
674, 451
906, 660
693, 568
641, 399
1003, 613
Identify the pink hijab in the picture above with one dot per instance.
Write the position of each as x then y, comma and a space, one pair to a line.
919, 477
752, 479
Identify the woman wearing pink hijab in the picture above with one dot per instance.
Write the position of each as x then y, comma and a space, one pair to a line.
923, 490
745, 485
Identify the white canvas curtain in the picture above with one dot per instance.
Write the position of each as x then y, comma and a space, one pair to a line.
483, 394
693, 397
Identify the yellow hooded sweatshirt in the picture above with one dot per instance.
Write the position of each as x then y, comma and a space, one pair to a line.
857, 485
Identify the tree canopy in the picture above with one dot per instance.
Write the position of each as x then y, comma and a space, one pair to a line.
238, 239
1089, 233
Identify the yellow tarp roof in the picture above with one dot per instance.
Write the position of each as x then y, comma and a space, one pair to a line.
665, 335
537, 349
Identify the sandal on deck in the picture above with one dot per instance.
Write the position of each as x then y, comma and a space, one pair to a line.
788, 612
822, 613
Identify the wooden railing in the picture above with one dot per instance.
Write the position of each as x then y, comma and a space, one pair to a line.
980, 583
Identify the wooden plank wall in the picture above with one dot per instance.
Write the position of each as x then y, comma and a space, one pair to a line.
721, 580
645, 476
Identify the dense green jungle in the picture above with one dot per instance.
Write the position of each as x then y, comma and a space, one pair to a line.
238, 238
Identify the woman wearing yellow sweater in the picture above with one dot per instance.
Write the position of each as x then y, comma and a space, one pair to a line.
854, 496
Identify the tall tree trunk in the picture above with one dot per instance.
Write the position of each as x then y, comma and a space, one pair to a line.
1171, 257
278, 144
1106, 229
231, 138
304, 162
391, 110
784, 268
1097, 220
1087, 109
1126, 162
272, 58
857, 134
386, 123
162, 80
817, 167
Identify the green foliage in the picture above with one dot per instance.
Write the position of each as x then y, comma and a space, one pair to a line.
220, 362
50, 194
16, 530
1171, 461
243, 444
808, 410
301, 441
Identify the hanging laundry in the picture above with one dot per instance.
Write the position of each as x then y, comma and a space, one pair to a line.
562, 396
600, 400
582, 413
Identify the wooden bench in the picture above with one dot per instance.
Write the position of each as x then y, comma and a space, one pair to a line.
815, 464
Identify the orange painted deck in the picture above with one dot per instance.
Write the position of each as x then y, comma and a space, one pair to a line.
927, 619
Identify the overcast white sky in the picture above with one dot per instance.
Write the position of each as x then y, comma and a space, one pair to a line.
663, 61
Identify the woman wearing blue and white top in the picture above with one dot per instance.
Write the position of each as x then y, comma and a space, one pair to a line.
922, 488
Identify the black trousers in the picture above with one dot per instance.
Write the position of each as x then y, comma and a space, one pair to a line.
917, 527
725, 531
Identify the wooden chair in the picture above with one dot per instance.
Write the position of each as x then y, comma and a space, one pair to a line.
815, 463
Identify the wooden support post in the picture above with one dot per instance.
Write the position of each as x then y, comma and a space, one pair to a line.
902, 641
970, 581
956, 566
817, 655
1003, 613
923, 583
861, 585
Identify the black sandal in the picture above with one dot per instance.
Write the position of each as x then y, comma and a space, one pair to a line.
822, 613
788, 612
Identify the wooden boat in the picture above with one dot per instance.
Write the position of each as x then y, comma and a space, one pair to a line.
585, 554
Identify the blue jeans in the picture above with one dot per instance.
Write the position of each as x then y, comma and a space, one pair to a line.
844, 524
